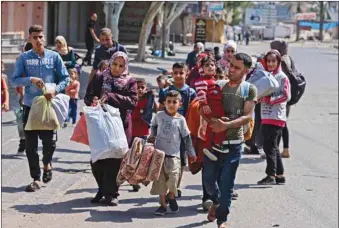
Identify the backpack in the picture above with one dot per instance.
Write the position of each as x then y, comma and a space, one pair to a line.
297, 81
248, 128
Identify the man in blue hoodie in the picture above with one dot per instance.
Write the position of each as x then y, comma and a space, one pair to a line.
33, 69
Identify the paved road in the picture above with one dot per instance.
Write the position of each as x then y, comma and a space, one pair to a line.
308, 200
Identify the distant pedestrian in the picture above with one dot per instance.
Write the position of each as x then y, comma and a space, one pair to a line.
192, 56
106, 49
247, 38
90, 37
65, 52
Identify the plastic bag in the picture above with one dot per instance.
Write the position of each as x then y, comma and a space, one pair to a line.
265, 82
60, 104
42, 116
20, 124
106, 133
80, 131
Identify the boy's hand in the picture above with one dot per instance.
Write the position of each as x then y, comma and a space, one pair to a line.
38, 82
95, 101
151, 139
193, 159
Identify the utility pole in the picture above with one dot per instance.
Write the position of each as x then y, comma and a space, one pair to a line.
164, 31
322, 17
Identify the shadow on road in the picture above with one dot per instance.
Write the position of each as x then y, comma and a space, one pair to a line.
251, 160
197, 224
251, 186
13, 189
113, 215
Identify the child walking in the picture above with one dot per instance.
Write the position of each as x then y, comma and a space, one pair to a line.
179, 73
73, 91
142, 114
168, 129
4, 89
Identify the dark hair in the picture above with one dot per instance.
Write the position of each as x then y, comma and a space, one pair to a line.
35, 28
216, 49
173, 93
162, 77
219, 70
274, 52
140, 80
245, 58
102, 62
28, 46
180, 65
207, 59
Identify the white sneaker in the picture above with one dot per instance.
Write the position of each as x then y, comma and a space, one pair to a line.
220, 150
210, 155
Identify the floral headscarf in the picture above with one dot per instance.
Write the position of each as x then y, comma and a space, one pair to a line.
123, 79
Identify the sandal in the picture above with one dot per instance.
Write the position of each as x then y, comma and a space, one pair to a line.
32, 187
47, 176
211, 213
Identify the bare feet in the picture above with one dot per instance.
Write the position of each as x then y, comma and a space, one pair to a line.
222, 225
211, 213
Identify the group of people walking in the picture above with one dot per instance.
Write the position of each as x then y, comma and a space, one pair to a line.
211, 135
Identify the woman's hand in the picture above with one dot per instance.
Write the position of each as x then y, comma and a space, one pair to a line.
104, 99
95, 101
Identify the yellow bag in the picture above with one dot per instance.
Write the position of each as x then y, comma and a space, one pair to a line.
42, 116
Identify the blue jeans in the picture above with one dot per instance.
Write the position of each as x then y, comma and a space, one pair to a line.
219, 176
72, 110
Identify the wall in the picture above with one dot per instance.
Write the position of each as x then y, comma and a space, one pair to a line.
19, 16
130, 22
218, 31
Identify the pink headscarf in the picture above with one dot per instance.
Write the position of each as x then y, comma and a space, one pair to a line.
123, 79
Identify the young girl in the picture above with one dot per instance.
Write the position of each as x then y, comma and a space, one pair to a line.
273, 119
73, 91
103, 65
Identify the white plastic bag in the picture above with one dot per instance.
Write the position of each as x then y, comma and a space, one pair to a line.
265, 82
106, 133
60, 104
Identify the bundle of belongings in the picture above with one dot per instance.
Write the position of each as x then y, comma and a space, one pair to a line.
141, 164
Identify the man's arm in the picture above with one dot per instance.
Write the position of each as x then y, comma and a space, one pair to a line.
19, 70
62, 74
94, 35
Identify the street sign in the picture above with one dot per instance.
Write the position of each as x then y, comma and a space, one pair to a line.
200, 31
215, 6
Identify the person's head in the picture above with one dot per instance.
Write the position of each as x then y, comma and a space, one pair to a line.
94, 17
103, 65
199, 58
73, 74
142, 86
198, 47
208, 51
230, 49
119, 64
161, 81
239, 67
208, 65
106, 38
3, 66
220, 74
281, 46
173, 101
60, 43
36, 37
179, 73
272, 60
216, 50
28, 46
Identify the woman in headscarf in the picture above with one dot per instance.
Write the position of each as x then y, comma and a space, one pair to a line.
230, 49
273, 119
65, 52
115, 87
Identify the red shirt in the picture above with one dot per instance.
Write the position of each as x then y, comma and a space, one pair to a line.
139, 126
202, 85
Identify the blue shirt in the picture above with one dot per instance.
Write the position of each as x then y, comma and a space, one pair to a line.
50, 68
187, 95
